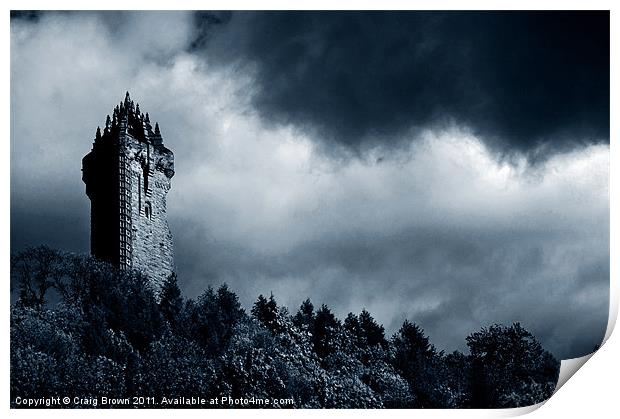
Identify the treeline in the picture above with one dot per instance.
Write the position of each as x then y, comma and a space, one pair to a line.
81, 328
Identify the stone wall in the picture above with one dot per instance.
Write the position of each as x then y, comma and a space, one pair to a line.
149, 168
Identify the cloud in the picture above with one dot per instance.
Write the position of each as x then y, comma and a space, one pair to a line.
528, 81
439, 230
443, 234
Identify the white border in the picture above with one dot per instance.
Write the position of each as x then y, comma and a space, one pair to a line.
593, 393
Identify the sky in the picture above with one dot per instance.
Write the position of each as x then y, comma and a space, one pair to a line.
448, 168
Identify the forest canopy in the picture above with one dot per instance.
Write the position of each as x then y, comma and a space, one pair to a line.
81, 328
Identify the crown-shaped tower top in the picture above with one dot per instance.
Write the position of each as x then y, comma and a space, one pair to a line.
127, 118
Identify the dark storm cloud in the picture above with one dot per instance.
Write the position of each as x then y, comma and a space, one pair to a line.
530, 81
29, 15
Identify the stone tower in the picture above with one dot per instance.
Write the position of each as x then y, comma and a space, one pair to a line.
127, 176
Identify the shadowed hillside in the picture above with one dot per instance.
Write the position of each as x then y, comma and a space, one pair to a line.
106, 335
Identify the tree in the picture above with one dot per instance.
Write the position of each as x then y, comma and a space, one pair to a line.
177, 367
266, 311
259, 309
137, 313
510, 368
325, 332
304, 318
212, 318
171, 302
370, 331
36, 270
415, 359
452, 381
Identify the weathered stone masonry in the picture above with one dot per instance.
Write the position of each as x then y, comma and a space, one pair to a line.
127, 176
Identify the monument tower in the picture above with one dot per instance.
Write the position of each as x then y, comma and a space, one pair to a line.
127, 176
